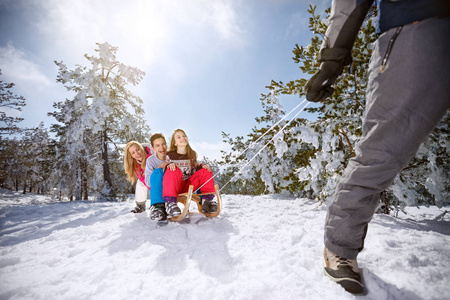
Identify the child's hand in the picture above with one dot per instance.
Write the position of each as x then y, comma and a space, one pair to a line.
172, 166
207, 168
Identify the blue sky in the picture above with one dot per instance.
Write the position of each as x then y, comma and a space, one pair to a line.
206, 61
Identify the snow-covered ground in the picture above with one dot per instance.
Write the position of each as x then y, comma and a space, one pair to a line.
264, 247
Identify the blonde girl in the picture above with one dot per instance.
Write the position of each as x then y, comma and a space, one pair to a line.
134, 160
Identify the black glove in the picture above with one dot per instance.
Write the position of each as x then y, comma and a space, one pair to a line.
333, 60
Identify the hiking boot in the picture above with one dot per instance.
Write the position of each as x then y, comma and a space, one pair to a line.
158, 212
343, 271
172, 209
140, 207
208, 204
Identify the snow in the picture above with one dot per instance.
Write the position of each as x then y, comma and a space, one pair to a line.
260, 247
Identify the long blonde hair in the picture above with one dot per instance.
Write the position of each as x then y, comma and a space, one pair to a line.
130, 164
192, 155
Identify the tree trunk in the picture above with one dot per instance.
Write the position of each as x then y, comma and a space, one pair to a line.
78, 187
84, 180
108, 191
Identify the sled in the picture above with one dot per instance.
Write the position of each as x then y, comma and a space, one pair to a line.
187, 198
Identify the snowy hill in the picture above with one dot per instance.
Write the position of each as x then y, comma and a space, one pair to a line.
265, 247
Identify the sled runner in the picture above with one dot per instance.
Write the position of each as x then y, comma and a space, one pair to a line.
186, 199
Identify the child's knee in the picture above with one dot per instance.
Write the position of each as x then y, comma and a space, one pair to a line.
170, 173
158, 173
157, 176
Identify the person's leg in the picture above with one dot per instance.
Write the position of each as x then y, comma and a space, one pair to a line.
203, 178
140, 196
157, 204
404, 103
172, 185
156, 184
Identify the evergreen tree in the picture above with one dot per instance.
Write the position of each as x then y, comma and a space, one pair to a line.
26, 161
71, 168
8, 102
8, 126
98, 118
35, 161
9, 163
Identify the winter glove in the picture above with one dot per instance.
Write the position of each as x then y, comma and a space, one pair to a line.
332, 60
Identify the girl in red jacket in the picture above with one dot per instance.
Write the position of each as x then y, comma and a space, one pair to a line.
184, 170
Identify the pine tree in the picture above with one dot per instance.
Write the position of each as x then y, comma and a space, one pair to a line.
26, 161
71, 168
9, 162
98, 119
34, 159
8, 126
8, 102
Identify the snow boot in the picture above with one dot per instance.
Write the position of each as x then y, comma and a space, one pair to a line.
140, 207
208, 204
343, 271
158, 212
172, 208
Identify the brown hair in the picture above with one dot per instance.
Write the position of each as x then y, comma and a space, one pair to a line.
192, 155
156, 136
129, 163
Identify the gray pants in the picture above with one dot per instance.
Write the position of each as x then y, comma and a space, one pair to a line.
403, 105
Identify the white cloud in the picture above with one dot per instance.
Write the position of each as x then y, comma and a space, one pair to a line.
17, 68
165, 39
30, 82
146, 32
225, 19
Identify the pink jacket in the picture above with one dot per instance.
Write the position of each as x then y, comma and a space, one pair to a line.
139, 171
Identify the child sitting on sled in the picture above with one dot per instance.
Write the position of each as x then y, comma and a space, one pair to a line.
134, 160
184, 170
154, 173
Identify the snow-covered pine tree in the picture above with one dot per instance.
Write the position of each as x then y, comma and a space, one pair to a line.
8, 103
102, 115
35, 160
9, 162
266, 172
26, 160
426, 179
9, 147
71, 169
